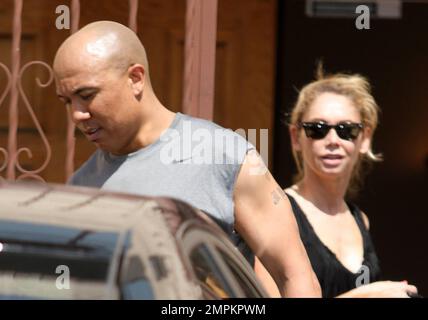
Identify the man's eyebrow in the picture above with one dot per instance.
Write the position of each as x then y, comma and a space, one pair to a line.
80, 90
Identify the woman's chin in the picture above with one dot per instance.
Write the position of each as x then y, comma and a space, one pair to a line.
334, 167
334, 171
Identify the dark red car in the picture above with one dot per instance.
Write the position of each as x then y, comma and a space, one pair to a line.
62, 242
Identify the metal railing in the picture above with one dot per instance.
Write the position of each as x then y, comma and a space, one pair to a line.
198, 84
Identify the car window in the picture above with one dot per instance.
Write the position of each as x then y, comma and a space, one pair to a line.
136, 286
33, 286
215, 254
139, 289
208, 273
40, 261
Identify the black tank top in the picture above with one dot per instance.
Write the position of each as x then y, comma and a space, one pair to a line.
333, 276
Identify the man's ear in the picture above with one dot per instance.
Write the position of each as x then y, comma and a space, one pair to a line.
137, 78
367, 140
294, 136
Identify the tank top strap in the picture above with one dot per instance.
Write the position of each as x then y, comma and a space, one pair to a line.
305, 227
356, 212
358, 216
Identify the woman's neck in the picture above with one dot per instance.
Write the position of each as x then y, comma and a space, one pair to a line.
326, 194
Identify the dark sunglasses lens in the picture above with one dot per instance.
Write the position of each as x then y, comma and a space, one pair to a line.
316, 130
348, 131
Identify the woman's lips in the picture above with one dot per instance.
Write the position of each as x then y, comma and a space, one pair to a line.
332, 156
332, 160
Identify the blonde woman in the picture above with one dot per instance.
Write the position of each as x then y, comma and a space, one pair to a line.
331, 129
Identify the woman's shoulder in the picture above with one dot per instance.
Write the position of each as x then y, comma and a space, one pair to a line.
293, 198
365, 219
355, 210
291, 192
296, 205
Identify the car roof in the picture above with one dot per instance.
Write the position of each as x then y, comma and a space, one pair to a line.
86, 224
88, 208
92, 220
90, 223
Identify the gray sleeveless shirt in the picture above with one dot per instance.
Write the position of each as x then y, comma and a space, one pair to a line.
194, 160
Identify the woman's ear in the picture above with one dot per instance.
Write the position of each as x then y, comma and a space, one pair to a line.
294, 137
367, 140
137, 79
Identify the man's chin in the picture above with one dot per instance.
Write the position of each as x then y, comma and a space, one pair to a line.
110, 150
102, 146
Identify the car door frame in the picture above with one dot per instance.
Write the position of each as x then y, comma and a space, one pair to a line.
193, 234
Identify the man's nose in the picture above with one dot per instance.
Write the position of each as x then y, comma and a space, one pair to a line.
78, 112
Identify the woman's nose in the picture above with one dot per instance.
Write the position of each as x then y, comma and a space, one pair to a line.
332, 137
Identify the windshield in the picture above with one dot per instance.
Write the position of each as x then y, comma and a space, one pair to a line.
40, 261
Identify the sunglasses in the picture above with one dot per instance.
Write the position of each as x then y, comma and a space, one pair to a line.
318, 130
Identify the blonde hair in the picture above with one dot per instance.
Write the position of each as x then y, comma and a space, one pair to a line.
358, 90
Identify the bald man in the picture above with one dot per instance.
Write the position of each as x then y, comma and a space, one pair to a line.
102, 76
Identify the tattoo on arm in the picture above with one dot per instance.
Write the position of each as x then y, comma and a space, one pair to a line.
277, 195
281, 192
276, 198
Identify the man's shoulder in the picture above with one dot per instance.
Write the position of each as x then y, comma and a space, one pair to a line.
213, 128
199, 123
229, 147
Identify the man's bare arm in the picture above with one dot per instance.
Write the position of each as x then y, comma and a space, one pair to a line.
266, 279
263, 217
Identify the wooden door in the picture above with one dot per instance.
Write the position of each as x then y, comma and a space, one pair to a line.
245, 67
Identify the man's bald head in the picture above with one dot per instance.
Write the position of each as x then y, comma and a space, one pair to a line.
101, 45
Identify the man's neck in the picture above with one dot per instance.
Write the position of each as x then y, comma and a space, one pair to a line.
156, 119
